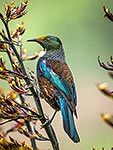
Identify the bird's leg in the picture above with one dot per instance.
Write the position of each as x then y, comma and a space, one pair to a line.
48, 121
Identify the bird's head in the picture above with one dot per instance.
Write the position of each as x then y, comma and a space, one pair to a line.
48, 42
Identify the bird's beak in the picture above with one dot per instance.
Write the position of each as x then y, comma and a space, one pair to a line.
39, 40
34, 40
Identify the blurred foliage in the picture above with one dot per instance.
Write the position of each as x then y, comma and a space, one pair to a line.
12, 144
107, 118
102, 148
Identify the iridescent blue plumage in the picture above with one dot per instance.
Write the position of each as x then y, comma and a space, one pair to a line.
68, 120
56, 83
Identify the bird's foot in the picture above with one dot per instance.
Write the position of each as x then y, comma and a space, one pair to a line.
48, 121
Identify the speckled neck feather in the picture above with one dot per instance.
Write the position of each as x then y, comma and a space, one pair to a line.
57, 54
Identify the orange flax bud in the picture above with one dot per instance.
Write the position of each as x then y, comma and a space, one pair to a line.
103, 88
108, 118
108, 14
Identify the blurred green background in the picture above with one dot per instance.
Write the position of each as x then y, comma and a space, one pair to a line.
86, 34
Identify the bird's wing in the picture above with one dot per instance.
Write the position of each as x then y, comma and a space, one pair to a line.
65, 89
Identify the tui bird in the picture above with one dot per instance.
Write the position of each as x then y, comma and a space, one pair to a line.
56, 82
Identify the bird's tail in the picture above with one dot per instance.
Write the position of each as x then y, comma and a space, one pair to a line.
68, 121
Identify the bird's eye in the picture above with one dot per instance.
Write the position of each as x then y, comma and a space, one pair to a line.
47, 39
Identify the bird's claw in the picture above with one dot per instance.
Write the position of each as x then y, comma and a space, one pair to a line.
47, 122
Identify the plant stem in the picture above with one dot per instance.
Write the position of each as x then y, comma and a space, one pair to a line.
33, 142
32, 139
48, 128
